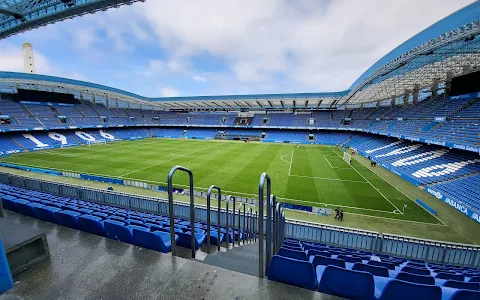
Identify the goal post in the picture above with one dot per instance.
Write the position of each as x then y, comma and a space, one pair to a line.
97, 142
347, 158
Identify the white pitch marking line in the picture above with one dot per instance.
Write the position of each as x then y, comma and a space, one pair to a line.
335, 168
64, 154
328, 161
324, 178
291, 161
370, 184
281, 157
399, 220
162, 162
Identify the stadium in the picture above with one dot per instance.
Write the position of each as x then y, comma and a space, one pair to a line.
368, 193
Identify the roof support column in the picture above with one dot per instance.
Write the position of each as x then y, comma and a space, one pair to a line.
448, 82
93, 99
406, 95
435, 88
392, 102
116, 103
378, 104
416, 91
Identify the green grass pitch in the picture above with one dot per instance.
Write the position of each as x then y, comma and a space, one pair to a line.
308, 175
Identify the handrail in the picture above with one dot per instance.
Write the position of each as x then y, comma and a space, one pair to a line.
255, 222
244, 223
170, 209
269, 238
250, 224
276, 227
233, 221
226, 223
239, 221
261, 189
209, 194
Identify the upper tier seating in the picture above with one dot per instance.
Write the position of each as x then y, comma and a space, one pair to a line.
461, 126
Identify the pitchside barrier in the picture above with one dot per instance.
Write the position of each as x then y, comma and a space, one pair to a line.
407, 247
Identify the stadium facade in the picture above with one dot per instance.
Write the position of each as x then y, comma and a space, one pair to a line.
416, 112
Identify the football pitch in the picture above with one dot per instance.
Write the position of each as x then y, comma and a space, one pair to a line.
309, 175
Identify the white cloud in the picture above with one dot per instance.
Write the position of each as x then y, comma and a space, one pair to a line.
169, 92
263, 46
321, 45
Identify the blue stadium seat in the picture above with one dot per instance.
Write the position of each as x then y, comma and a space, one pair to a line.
317, 252
14, 203
118, 231
466, 295
68, 218
214, 237
157, 240
389, 266
474, 286
450, 276
402, 290
8, 202
350, 259
92, 224
135, 222
47, 213
326, 261
102, 215
300, 255
346, 283
416, 271
184, 239
374, 270
475, 279
281, 270
28, 209
415, 278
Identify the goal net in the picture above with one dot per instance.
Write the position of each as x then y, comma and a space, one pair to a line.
97, 142
347, 158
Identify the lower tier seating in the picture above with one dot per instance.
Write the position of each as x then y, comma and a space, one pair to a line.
142, 229
356, 274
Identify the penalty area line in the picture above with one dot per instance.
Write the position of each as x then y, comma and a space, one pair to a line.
375, 188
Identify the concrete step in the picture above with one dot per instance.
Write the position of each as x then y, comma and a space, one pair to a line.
243, 259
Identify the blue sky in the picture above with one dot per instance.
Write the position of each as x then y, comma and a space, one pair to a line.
191, 47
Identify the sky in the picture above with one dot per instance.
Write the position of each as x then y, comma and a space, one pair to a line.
165, 48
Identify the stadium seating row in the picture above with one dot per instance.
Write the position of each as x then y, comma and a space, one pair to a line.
363, 275
459, 119
138, 228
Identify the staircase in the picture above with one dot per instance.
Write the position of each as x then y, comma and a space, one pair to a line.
17, 143
243, 259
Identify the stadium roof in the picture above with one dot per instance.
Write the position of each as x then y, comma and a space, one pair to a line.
444, 50
21, 15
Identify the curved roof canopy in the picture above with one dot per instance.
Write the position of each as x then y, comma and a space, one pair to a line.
444, 50
21, 15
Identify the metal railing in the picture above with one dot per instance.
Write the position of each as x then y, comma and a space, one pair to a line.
171, 207
209, 194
